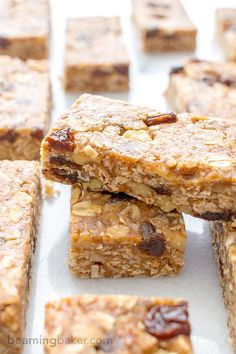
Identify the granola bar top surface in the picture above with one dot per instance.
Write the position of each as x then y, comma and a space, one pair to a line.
166, 15
204, 87
13, 21
121, 324
96, 128
120, 218
20, 186
24, 94
94, 40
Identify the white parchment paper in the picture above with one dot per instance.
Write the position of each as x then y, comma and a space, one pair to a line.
199, 282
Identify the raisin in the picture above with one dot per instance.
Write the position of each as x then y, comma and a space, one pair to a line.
59, 160
64, 175
176, 70
152, 242
159, 118
119, 197
4, 42
168, 321
122, 69
62, 139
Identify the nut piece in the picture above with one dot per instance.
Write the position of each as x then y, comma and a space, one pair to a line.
140, 189
152, 242
118, 230
86, 208
159, 118
165, 322
139, 135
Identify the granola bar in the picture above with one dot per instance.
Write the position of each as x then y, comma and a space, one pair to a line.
93, 324
96, 57
24, 106
224, 244
203, 87
182, 162
163, 25
226, 31
24, 28
19, 212
114, 235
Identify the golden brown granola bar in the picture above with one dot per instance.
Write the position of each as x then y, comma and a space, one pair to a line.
224, 244
20, 197
114, 235
24, 107
226, 31
163, 25
93, 324
24, 28
203, 87
96, 57
182, 162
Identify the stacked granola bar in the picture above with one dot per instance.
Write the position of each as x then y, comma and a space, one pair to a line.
130, 183
114, 232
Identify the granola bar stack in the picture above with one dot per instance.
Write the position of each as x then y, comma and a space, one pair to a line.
131, 180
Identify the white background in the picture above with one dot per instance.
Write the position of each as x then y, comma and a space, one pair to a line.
199, 281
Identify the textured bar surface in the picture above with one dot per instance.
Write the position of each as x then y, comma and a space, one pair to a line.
163, 26
203, 87
20, 197
118, 324
135, 150
224, 244
226, 31
114, 235
96, 57
24, 28
24, 107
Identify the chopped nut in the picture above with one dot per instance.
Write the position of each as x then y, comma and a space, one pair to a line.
117, 230
49, 189
86, 208
198, 118
159, 118
95, 184
81, 158
139, 135
140, 189
89, 151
